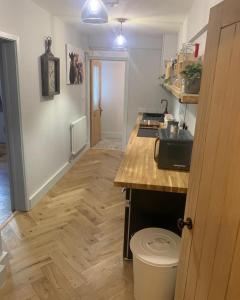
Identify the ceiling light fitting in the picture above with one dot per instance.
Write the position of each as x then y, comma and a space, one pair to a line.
94, 12
120, 41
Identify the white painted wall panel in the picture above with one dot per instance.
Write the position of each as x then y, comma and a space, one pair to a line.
45, 124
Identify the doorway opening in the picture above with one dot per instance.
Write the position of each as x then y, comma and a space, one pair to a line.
107, 98
12, 175
5, 197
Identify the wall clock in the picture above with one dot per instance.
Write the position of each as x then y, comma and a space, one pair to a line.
50, 69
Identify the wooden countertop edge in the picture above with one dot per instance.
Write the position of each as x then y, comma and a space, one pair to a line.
120, 182
138, 186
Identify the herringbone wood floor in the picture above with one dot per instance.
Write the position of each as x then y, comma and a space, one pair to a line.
70, 245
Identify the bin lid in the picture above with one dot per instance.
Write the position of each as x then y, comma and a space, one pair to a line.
157, 247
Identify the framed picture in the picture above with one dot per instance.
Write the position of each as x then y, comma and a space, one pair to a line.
75, 65
50, 70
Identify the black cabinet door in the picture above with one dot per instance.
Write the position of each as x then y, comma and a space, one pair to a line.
151, 209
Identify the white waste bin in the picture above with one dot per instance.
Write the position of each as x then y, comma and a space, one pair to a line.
155, 259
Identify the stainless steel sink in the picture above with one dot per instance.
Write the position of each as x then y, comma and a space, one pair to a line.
153, 117
148, 132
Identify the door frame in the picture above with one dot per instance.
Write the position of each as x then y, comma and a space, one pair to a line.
13, 120
108, 56
99, 65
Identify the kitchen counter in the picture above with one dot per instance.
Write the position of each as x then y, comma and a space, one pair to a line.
139, 170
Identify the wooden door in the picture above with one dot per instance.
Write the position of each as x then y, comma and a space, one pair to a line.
96, 94
231, 12
209, 266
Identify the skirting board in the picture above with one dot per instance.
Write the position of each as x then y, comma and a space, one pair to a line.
111, 135
44, 189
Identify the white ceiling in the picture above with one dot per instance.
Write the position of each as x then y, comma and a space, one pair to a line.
150, 17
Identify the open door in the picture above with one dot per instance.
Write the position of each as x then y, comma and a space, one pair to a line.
209, 266
95, 106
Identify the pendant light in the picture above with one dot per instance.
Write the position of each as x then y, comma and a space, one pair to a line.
120, 41
94, 12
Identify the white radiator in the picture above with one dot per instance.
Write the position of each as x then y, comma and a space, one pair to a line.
78, 135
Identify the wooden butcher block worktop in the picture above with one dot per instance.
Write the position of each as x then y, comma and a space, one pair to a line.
139, 170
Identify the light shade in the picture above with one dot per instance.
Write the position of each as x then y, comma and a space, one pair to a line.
120, 42
94, 12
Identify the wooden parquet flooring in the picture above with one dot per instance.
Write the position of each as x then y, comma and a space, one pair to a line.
70, 245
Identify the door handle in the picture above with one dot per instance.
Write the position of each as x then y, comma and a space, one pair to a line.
181, 223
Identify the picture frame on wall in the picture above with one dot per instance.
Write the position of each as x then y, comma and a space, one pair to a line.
50, 72
75, 65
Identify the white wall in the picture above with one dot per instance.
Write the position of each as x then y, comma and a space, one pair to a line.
170, 45
170, 48
113, 92
145, 67
45, 123
196, 20
144, 88
198, 16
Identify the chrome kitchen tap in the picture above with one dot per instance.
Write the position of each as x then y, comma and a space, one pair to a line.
166, 108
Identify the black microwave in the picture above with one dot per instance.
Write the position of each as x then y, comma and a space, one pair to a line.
173, 151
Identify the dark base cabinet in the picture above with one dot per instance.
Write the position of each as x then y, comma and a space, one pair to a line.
151, 209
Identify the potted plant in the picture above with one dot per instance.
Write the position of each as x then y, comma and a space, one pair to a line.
192, 75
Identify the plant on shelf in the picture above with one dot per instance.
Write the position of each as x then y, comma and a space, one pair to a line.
192, 75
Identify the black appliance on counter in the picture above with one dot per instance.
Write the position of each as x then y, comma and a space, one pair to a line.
173, 150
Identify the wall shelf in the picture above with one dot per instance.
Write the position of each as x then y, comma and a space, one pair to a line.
182, 97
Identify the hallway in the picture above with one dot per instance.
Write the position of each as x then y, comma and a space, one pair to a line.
70, 245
